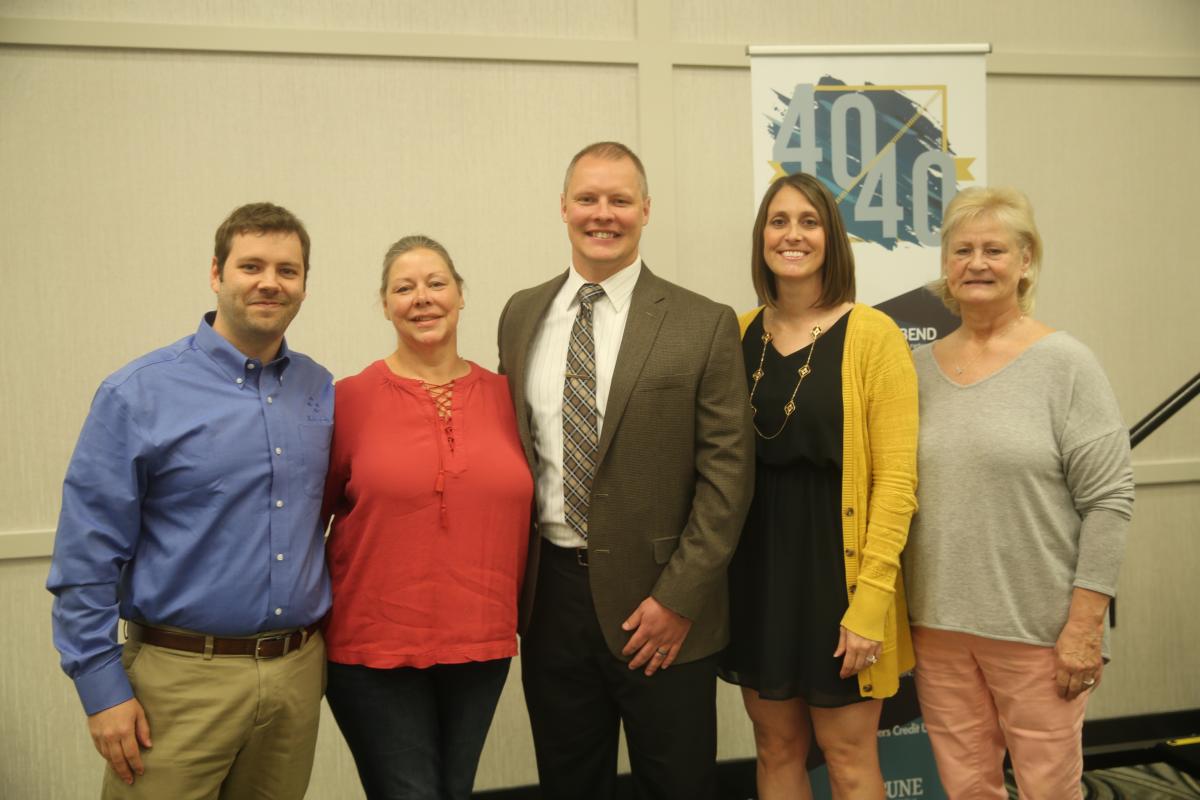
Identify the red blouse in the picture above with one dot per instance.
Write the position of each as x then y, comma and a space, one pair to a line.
430, 528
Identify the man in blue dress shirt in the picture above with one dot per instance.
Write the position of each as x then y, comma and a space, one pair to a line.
190, 510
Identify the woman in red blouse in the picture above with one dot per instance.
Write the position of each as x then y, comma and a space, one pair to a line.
430, 497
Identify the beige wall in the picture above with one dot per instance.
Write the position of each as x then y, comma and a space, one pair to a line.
129, 129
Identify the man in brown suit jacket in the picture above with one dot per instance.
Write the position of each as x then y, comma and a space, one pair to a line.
625, 602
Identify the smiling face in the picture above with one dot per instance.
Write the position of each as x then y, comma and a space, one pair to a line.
259, 291
422, 300
984, 264
793, 238
605, 211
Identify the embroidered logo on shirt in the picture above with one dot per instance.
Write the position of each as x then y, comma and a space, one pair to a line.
314, 410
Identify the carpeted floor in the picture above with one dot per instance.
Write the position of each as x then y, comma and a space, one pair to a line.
1143, 782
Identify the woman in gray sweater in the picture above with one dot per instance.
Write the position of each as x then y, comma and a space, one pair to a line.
1025, 496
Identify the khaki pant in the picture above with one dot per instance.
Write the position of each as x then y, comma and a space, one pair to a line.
225, 728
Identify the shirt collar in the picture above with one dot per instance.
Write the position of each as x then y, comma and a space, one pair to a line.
229, 358
618, 287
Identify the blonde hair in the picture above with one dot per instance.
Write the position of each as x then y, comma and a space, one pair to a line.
1010, 208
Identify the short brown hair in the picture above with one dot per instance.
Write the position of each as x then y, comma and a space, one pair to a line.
1010, 208
610, 151
837, 273
416, 241
258, 218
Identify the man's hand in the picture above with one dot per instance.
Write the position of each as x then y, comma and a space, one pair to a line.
658, 633
116, 732
860, 653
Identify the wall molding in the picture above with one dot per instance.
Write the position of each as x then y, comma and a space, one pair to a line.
651, 46
40, 543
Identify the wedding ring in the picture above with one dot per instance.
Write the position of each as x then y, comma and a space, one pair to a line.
662, 652
871, 659
1089, 681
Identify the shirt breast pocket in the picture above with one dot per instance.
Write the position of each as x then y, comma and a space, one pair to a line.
314, 440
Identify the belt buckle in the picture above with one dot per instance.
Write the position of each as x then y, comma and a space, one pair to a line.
581, 556
258, 643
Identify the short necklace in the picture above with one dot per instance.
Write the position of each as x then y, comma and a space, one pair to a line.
960, 370
803, 372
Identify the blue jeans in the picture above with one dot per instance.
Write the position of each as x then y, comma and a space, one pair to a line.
416, 734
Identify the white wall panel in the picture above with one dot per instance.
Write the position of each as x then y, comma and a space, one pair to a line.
1130, 27
123, 164
544, 18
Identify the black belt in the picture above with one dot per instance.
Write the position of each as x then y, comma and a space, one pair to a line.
580, 554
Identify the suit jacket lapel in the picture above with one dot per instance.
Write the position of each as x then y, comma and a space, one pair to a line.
646, 311
525, 328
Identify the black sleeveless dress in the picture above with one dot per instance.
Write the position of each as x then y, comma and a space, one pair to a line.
787, 580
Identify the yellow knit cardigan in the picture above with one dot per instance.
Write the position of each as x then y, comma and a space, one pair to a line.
879, 476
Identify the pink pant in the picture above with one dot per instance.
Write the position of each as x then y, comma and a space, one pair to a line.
979, 695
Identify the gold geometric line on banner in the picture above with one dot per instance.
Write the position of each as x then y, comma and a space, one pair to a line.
940, 91
912, 87
962, 168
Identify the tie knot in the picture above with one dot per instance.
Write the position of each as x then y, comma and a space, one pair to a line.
589, 293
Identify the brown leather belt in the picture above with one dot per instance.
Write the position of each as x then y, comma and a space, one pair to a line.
259, 647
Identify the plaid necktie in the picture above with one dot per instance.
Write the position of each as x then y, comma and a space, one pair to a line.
579, 413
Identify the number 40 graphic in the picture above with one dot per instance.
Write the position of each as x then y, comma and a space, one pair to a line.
878, 179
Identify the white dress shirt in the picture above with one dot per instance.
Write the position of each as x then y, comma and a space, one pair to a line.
547, 373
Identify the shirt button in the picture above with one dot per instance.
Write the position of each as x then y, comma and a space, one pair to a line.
279, 556
278, 451
278, 612
270, 399
250, 365
279, 504
239, 381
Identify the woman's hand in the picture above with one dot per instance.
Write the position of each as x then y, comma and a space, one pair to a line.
1077, 661
860, 653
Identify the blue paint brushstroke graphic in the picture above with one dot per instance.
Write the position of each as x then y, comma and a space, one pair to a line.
892, 110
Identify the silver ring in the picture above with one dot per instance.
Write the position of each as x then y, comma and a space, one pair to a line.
1089, 681
872, 659
662, 652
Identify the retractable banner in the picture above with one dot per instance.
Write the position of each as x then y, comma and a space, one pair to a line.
893, 132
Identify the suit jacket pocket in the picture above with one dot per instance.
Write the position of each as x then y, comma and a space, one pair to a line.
678, 380
664, 548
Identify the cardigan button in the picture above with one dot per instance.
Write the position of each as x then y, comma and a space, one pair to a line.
868, 688
849, 512
849, 551
852, 588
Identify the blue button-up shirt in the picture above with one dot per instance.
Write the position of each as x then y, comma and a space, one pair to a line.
192, 500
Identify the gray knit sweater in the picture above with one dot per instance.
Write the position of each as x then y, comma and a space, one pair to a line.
1025, 491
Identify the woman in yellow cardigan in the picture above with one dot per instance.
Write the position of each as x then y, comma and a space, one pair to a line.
819, 631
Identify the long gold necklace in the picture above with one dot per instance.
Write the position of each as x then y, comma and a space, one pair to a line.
790, 406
